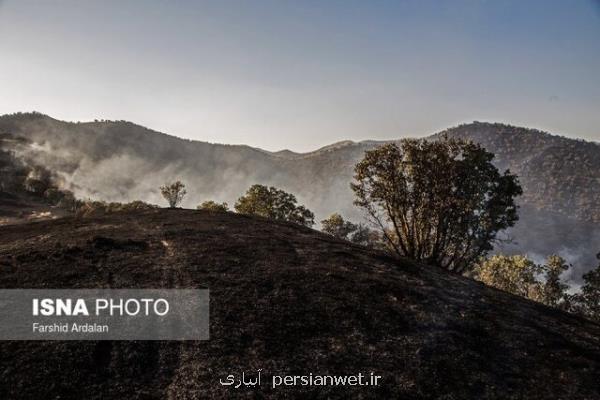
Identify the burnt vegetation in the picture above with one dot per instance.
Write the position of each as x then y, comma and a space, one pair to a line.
26, 187
287, 299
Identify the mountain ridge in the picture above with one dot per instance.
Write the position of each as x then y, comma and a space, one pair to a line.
121, 161
340, 143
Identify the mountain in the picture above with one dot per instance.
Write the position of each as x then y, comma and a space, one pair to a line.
288, 300
559, 174
121, 161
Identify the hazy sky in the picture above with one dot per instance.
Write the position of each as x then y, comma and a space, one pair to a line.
303, 74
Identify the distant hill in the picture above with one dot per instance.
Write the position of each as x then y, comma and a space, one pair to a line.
288, 300
122, 161
559, 174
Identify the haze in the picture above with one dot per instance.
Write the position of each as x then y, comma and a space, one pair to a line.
301, 75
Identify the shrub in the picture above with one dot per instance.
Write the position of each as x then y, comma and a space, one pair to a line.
173, 193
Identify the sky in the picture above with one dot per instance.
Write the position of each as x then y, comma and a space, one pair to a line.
303, 74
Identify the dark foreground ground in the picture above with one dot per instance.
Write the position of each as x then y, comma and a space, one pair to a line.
285, 299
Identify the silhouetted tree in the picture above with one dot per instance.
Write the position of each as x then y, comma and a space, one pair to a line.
213, 206
173, 193
442, 202
273, 203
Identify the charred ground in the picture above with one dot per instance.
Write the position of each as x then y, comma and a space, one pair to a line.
289, 300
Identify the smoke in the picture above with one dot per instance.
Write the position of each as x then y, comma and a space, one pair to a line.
100, 169
539, 234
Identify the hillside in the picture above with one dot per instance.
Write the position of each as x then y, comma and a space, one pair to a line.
121, 161
28, 192
286, 299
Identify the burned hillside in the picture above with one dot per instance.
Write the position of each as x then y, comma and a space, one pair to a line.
285, 299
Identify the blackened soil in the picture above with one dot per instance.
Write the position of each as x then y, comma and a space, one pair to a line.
287, 300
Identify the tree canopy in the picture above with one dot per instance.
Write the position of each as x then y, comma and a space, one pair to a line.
519, 275
553, 290
335, 225
514, 274
442, 202
173, 193
587, 301
273, 203
213, 206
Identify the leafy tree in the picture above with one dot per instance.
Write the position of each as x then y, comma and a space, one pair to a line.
521, 276
553, 290
587, 301
173, 193
442, 202
336, 226
86, 208
273, 203
513, 274
213, 206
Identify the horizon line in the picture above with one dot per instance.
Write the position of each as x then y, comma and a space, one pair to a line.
300, 153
